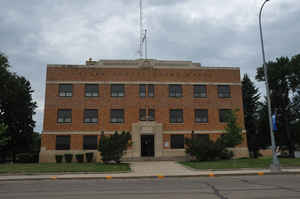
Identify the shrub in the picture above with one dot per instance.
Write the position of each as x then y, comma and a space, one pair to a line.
89, 156
58, 158
112, 147
79, 158
25, 158
68, 157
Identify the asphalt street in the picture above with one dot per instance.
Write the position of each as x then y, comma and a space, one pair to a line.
242, 187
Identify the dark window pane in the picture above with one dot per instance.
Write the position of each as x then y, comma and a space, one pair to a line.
117, 90
117, 116
177, 141
62, 142
175, 90
90, 142
224, 91
204, 137
142, 90
65, 90
176, 116
90, 116
91, 90
142, 114
224, 114
200, 91
201, 116
64, 116
151, 116
151, 90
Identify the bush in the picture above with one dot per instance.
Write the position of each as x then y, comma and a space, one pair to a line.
25, 158
112, 147
58, 158
89, 156
79, 158
68, 157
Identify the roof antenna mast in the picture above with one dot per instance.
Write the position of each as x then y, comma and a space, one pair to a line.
143, 34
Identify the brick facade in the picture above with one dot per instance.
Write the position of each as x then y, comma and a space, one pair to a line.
132, 73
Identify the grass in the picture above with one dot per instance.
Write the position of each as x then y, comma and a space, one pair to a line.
63, 167
242, 163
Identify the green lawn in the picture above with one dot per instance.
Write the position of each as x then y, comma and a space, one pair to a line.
63, 167
242, 163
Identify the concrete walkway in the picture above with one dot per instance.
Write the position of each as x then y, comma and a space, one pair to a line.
151, 169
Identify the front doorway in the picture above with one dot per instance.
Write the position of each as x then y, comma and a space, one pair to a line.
147, 145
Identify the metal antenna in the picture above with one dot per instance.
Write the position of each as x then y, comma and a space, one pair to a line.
140, 51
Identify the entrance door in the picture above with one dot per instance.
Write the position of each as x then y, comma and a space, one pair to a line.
147, 145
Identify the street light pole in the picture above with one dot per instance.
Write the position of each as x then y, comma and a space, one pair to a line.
275, 166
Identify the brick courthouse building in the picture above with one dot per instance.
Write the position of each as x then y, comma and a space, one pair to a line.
159, 102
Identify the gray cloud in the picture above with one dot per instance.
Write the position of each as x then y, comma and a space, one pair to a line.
34, 33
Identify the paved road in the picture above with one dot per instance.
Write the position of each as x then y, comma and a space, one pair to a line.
243, 187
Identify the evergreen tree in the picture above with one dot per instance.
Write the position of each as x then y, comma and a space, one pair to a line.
250, 105
233, 132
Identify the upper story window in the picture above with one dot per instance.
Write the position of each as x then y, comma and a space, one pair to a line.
200, 91
177, 141
176, 116
91, 90
65, 90
201, 115
142, 90
90, 116
151, 90
151, 114
117, 90
62, 142
175, 90
142, 114
90, 142
117, 116
64, 116
224, 91
224, 114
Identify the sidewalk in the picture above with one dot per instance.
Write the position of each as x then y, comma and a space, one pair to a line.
153, 169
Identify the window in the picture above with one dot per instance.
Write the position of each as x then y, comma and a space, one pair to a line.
204, 137
224, 91
176, 116
91, 90
200, 91
175, 90
177, 141
62, 142
117, 90
90, 116
151, 114
90, 142
64, 116
65, 90
201, 115
223, 114
117, 116
151, 90
142, 90
142, 115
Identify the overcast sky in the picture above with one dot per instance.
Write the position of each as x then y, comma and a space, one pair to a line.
34, 33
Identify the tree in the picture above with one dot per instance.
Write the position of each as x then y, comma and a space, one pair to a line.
283, 80
16, 110
250, 105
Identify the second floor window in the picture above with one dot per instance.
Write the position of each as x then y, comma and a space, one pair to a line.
90, 116
65, 90
64, 116
142, 90
144, 117
201, 115
200, 91
175, 90
224, 114
117, 90
142, 114
151, 114
117, 116
224, 91
151, 90
91, 90
176, 116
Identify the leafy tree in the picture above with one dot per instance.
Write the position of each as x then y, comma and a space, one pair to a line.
250, 105
283, 81
16, 110
3, 138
